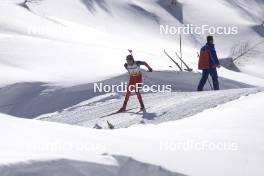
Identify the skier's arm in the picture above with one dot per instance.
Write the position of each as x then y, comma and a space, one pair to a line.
216, 60
125, 65
145, 64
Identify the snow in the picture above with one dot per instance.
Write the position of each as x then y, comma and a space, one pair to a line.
161, 107
53, 51
65, 46
237, 124
32, 99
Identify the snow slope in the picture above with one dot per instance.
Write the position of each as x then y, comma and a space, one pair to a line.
226, 140
66, 46
51, 53
36, 151
32, 99
160, 107
63, 167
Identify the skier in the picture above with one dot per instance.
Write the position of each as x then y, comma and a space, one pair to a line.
135, 80
208, 62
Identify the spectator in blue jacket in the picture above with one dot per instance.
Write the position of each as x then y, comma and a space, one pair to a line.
213, 64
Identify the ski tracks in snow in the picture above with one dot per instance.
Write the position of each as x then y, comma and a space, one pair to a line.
161, 107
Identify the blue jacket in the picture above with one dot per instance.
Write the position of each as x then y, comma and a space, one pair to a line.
213, 60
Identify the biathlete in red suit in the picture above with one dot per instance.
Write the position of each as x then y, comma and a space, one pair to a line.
135, 80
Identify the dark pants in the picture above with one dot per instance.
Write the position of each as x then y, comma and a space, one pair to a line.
206, 73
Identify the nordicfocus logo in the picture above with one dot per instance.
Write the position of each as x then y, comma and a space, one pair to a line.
198, 30
191, 145
123, 87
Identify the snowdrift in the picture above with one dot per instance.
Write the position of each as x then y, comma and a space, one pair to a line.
237, 125
32, 99
43, 44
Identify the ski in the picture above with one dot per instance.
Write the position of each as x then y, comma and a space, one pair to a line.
173, 60
139, 111
96, 126
143, 110
184, 63
110, 126
113, 113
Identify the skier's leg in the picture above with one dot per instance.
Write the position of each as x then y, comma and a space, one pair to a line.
137, 90
140, 99
128, 93
203, 80
214, 76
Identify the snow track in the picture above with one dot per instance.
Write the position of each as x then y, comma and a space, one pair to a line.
160, 108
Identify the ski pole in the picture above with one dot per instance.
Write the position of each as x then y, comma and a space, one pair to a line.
188, 68
173, 60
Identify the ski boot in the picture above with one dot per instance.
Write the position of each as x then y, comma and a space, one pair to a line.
142, 108
123, 109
